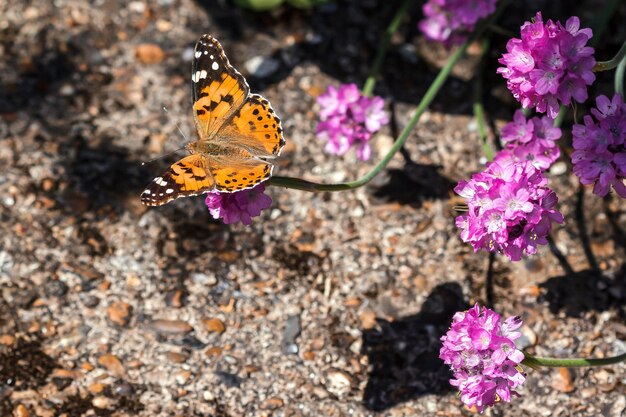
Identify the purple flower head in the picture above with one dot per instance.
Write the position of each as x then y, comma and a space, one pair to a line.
480, 349
510, 208
549, 64
532, 140
349, 119
450, 21
239, 206
599, 156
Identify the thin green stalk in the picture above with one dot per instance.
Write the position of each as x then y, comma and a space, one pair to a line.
619, 77
479, 113
370, 82
535, 362
432, 91
613, 62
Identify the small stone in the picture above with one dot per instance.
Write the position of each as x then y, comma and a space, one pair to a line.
262, 67
163, 25
177, 357
102, 402
149, 53
171, 327
338, 382
119, 313
213, 325
308, 355
564, 382
112, 364
528, 338
21, 411
368, 319
203, 279
292, 330
228, 256
123, 389
213, 351
175, 298
7, 340
96, 388
272, 403
182, 377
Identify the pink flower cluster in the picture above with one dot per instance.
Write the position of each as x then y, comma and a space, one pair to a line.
599, 156
510, 209
450, 21
239, 206
549, 64
481, 352
531, 140
349, 119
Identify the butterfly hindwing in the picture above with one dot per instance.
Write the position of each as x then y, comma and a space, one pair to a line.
218, 89
238, 174
256, 128
187, 177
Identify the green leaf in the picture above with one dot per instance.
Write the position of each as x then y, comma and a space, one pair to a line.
259, 5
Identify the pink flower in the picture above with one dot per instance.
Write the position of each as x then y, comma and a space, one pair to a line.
480, 350
510, 209
239, 206
549, 64
599, 156
533, 140
348, 119
450, 21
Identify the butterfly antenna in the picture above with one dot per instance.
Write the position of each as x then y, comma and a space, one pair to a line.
163, 156
177, 126
175, 150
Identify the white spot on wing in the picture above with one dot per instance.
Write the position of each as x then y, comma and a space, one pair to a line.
198, 54
203, 74
169, 191
215, 66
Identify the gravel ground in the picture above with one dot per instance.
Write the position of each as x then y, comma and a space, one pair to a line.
329, 304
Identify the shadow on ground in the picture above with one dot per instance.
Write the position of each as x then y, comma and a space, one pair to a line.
586, 290
404, 354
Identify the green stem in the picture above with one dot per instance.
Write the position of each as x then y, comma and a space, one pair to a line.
479, 113
535, 362
619, 77
432, 91
370, 82
613, 62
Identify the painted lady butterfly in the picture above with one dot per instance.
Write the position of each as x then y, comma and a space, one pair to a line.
238, 132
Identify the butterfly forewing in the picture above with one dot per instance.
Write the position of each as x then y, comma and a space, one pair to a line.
218, 89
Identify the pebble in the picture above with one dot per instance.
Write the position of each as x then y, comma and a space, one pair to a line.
96, 388
291, 331
149, 53
171, 327
182, 377
272, 403
204, 279
213, 325
21, 411
119, 313
564, 380
175, 298
338, 382
113, 364
262, 67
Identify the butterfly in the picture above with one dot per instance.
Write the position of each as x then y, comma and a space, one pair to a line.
238, 133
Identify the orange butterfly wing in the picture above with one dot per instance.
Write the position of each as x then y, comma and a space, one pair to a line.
256, 128
218, 89
187, 177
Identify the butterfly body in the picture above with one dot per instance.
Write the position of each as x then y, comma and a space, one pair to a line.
237, 133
